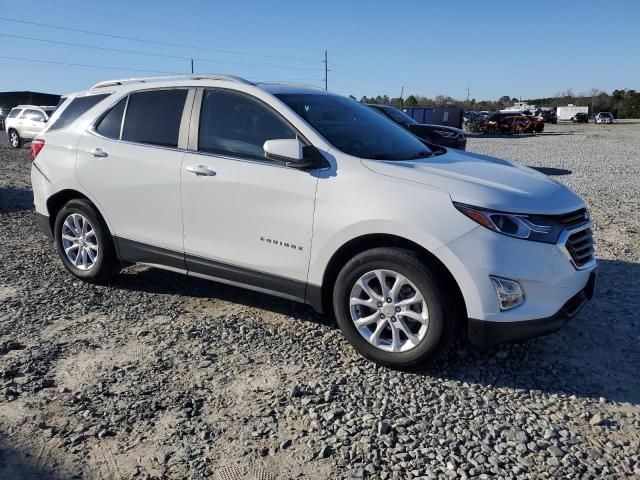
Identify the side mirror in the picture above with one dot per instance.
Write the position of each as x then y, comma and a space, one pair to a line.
292, 153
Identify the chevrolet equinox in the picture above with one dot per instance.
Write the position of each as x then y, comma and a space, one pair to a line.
311, 196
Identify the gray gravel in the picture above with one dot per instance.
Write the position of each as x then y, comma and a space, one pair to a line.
161, 376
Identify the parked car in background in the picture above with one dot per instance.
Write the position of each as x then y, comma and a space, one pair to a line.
604, 117
548, 115
25, 122
316, 198
435, 134
580, 117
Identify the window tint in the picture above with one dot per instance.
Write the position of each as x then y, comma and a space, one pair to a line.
14, 113
77, 107
238, 125
154, 117
109, 125
35, 115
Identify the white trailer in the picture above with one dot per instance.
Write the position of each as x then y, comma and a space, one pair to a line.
568, 112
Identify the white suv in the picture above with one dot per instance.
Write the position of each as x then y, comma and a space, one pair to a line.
25, 122
313, 197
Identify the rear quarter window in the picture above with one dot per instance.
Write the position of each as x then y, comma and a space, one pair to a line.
75, 109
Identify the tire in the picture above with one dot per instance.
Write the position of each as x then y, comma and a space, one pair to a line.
96, 265
440, 325
14, 139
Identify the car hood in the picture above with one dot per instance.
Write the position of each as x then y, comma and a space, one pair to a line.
484, 181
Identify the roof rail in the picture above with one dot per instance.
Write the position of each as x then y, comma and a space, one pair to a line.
207, 76
284, 82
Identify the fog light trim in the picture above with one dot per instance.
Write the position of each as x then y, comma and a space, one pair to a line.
510, 293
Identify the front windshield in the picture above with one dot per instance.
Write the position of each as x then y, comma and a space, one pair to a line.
399, 115
354, 128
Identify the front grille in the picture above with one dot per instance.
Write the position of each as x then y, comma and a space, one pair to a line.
574, 219
580, 247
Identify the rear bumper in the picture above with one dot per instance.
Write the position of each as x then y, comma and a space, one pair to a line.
485, 334
44, 225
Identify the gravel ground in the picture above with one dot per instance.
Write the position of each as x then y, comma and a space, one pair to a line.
157, 375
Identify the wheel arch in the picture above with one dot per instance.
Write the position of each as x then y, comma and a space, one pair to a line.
320, 297
58, 200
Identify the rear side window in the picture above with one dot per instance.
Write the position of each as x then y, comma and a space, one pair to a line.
77, 107
109, 125
14, 113
35, 115
236, 125
154, 117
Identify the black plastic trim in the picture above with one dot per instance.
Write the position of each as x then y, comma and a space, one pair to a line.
44, 225
136, 252
485, 334
265, 281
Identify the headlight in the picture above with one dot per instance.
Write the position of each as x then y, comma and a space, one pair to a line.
531, 227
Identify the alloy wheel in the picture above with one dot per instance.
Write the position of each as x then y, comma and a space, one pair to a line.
13, 138
389, 311
80, 242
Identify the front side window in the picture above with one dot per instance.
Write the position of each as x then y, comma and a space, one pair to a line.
34, 115
354, 128
237, 125
154, 117
14, 113
109, 125
76, 107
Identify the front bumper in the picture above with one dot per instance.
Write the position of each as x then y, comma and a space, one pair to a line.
485, 334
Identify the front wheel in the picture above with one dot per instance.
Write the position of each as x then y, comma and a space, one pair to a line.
14, 139
84, 243
390, 307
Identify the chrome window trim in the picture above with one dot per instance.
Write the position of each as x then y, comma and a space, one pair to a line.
562, 244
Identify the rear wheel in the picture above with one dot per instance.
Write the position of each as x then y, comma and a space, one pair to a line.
84, 243
14, 139
391, 308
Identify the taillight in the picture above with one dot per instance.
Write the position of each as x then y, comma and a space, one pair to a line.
36, 146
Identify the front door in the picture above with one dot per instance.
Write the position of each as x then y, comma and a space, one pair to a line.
247, 220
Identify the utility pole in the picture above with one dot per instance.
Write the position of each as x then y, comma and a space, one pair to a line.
326, 69
467, 95
401, 94
192, 65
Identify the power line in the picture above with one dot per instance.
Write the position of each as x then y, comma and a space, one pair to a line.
154, 42
163, 55
112, 67
105, 67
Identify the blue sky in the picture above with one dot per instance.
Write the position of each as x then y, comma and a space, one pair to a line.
430, 47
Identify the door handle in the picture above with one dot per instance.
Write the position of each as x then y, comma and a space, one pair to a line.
201, 171
98, 152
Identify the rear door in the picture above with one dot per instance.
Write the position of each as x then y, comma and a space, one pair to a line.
130, 163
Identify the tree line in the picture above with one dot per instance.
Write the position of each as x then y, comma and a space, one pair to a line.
622, 103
